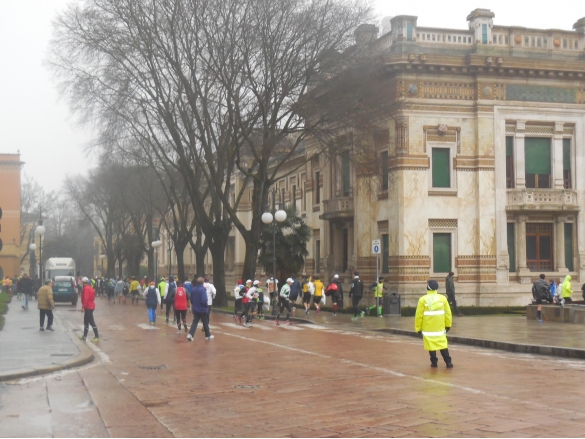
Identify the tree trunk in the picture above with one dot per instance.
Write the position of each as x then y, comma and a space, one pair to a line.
200, 247
252, 237
180, 252
150, 256
217, 248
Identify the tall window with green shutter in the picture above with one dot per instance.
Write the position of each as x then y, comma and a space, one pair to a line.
385, 253
510, 183
512, 246
346, 174
567, 181
441, 174
537, 162
569, 247
484, 34
441, 252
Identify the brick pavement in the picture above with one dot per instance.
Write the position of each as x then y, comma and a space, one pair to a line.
318, 383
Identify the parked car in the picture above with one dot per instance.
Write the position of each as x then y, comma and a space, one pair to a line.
64, 289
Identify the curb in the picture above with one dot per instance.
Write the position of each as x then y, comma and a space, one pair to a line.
518, 348
266, 317
85, 356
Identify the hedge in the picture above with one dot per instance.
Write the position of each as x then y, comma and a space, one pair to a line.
5, 299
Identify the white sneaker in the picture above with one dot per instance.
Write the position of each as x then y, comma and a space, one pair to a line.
209, 338
189, 337
179, 332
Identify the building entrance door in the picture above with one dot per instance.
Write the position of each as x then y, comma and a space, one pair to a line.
539, 247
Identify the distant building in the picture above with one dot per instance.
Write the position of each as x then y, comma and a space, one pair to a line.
10, 166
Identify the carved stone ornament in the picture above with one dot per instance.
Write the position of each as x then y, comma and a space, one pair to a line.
411, 57
442, 129
423, 58
487, 91
503, 263
489, 60
499, 61
517, 39
557, 42
412, 88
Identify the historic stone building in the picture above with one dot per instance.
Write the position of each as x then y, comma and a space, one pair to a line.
481, 160
10, 166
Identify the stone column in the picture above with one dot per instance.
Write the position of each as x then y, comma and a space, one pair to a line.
523, 271
559, 245
519, 158
557, 158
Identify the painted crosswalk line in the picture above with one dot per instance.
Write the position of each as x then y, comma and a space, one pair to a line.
291, 327
146, 326
233, 325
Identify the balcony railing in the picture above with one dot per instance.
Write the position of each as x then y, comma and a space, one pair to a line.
542, 199
341, 207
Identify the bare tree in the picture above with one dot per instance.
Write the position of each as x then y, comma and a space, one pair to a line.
208, 87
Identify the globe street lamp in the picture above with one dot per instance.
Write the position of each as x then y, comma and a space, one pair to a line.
40, 231
156, 245
33, 259
268, 218
102, 257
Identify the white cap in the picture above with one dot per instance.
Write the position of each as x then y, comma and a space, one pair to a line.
249, 281
289, 281
85, 280
256, 282
335, 276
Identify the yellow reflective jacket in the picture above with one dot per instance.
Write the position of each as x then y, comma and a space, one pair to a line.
566, 288
433, 315
379, 289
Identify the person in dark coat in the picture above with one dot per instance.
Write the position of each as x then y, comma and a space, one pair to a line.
295, 292
335, 292
356, 293
24, 286
170, 298
152, 299
200, 310
540, 292
450, 290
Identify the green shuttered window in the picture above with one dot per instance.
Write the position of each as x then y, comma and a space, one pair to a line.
569, 246
512, 246
537, 155
441, 172
441, 252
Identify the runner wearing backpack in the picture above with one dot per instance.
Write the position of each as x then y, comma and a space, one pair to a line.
334, 291
180, 305
152, 299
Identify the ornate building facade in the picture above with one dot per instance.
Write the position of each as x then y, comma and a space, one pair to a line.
481, 161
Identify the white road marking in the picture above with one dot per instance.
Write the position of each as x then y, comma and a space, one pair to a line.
317, 327
293, 328
233, 325
264, 327
145, 326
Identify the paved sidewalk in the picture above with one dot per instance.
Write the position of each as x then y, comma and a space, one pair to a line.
27, 351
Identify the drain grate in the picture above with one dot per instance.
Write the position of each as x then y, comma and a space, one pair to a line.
246, 387
29, 327
159, 367
61, 355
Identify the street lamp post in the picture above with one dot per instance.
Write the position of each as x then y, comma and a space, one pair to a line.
272, 218
156, 245
102, 257
40, 231
33, 259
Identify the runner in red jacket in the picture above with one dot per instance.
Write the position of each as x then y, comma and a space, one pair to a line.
87, 307
180, 306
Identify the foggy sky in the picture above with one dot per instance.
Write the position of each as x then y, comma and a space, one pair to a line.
34, 120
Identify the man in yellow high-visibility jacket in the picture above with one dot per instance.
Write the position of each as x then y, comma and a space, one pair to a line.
433, 320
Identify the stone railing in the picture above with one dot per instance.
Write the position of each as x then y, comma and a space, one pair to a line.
338, 208
542, 199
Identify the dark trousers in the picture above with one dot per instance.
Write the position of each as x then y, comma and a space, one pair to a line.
355, 301
444, 353
49, 314
568, 300
453, 304
237, 306
245, 310
209, 313
204, 317
181, 316
168, 309
88, 320
283, 303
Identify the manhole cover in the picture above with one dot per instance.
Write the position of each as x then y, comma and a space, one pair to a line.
74, 310
246, 387
159, 367
29, 327
61, 355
